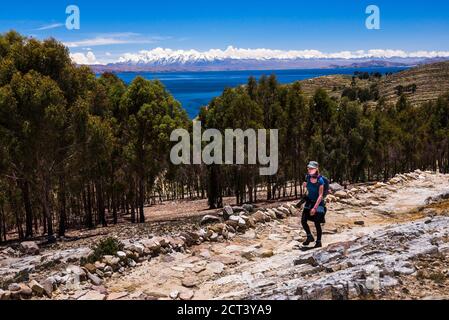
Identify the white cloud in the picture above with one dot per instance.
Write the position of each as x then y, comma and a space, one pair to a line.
87, 59
115, 39
161, 54
51, 26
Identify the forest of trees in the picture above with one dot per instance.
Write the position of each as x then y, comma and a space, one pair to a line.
79, 151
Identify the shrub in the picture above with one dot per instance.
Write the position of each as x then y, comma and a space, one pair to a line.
107, 246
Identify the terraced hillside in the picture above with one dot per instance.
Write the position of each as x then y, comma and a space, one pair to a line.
419, 84
431, 80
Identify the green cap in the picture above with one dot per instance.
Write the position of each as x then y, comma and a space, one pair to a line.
313, 165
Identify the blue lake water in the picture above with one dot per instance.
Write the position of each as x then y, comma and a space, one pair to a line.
196, 89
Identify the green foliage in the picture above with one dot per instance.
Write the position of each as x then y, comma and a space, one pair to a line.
108, 246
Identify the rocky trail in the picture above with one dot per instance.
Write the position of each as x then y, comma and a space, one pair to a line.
382, 241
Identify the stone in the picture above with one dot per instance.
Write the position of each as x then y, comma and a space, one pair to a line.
25, 291
267, 253
210, 219
215, 267
259, 217
137, 247
117, 295
121, 255
77, 272
93, 295
29, 247
14, 287
131, 263
152, 244
174, 295
359, 223
198, 269
186, 295
342, 194
37, 288
242, 222
279, 214
214, 237
90, 267
334, 187
49, 285
227, 212
189, 282
94, 279
100, 265
4, 295
112, 262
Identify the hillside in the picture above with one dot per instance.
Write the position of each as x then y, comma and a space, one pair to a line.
431, 80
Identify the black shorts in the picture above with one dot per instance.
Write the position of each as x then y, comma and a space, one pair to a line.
318, 217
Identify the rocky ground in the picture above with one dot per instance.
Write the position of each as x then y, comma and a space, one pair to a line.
382, 241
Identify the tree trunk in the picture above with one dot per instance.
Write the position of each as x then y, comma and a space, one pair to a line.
62, 207
25, 187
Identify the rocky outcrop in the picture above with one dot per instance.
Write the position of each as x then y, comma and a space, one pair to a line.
361, 268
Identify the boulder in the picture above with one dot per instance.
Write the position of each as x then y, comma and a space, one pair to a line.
190, 282
90, 267
215, 267
342, 194
112, 261
77, 271
238, 209
14, 287
4, 295
37, 288
279, 214
152, 244
121, 255
94, 279
25, 291
29, 247
49, 285
209, 219
259, 217
334, 187
186, 295
136, 247
271, 213
227, 212
99, 265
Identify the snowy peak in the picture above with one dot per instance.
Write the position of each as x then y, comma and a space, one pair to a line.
163, 56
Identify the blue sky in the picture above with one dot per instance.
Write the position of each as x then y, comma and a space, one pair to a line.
112, 28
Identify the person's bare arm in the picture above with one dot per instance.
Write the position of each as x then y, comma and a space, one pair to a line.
320, 198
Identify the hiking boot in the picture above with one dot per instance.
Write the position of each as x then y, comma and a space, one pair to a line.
318, 244
309, 240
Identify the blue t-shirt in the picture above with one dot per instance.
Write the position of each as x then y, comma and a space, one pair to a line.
314, 188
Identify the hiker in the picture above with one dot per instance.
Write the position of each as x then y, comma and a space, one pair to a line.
314, 209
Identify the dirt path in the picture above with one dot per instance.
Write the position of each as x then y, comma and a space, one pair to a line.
264, 257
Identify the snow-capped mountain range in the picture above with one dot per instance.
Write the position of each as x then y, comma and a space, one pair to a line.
231, 58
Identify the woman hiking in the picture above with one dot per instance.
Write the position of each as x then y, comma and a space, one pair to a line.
314, 209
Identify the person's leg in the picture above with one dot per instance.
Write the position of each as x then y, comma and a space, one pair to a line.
319, 234
306, 227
